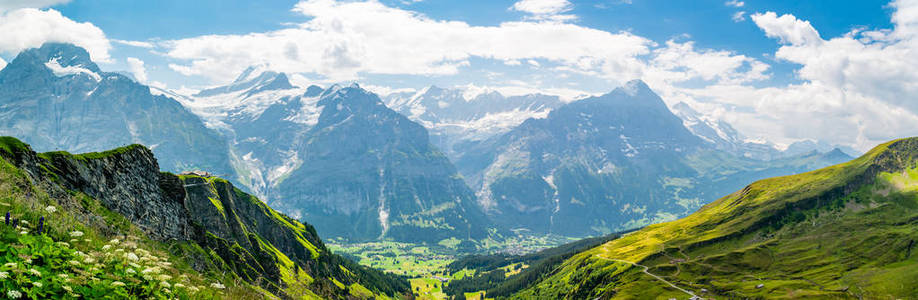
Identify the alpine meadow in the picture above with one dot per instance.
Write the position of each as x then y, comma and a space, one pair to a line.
445, 150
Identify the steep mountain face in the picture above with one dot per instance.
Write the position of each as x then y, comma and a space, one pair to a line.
263, 117
214, 226
56, 98
455, 117
842, 232
367, 172
607, 163
589, 164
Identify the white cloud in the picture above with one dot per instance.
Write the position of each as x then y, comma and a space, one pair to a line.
345, 39
7, 5
855, 88
543, 7
2, 63
735, 3
739, 16
545, 10
139, 44
136, 66
786, 28
30, 28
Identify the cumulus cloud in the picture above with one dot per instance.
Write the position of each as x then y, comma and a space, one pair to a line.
787, 28
136, 66
345, 39
30, 28
7, 5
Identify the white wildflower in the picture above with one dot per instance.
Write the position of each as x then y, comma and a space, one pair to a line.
106, 247
165, 284
178, 285
67, 288
64, 244
114, 241
28, 261
164, 277
36, 284
118, 283
4, 275
62, 275
134, 265
24, 222
76, 233
24, 232
147, 277
217, 286
35, 272
13, 294
130, 271
131, 256
51, 209
89, 261
9, 265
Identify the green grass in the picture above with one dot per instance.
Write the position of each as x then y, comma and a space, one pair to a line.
427, 288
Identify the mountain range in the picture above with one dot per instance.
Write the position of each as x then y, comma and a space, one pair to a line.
433, 165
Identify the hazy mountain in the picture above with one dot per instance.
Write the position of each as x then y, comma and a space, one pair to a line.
842, 232
56, 98
455, 116
724, 137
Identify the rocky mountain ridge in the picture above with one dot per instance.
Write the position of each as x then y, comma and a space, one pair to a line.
239, 233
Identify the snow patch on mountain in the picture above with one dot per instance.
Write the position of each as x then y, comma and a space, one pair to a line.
61, 71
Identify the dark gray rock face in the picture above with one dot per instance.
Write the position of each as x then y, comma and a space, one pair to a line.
55, 98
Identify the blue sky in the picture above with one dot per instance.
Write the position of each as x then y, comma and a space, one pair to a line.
708, 23
779, 71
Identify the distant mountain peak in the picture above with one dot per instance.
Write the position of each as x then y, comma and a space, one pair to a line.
253, 80
634, 87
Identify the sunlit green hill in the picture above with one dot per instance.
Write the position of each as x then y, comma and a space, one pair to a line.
846, 231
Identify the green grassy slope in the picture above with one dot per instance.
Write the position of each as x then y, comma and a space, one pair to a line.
845, 231
87, 249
